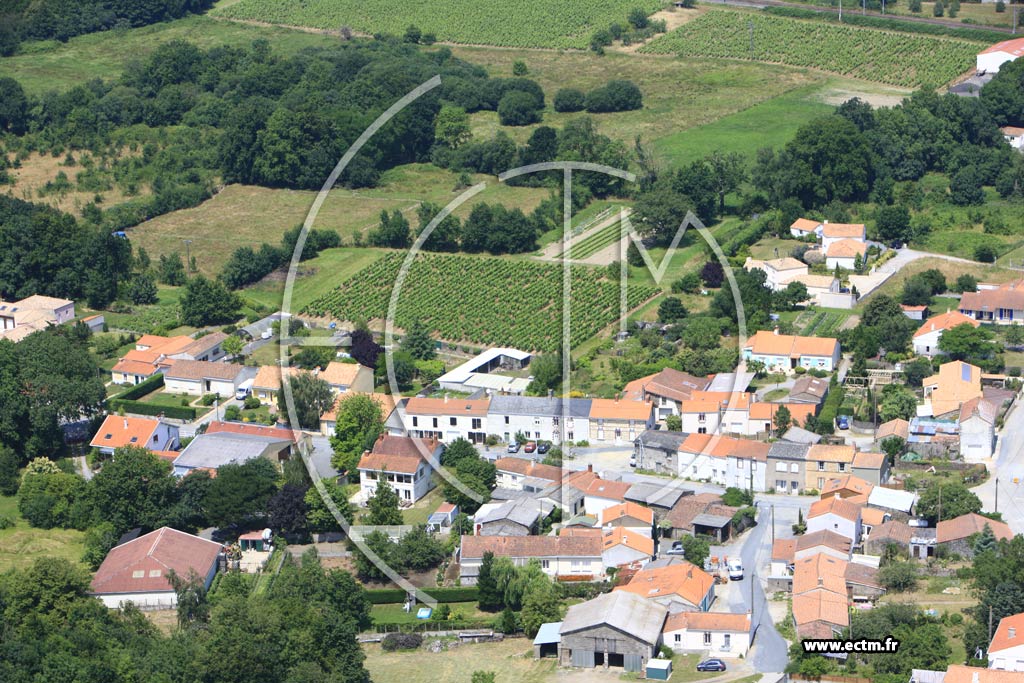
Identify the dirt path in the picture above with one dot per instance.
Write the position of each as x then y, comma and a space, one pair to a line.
553, 251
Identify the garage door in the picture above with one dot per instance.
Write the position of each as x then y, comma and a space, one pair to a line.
633, 662
583, 658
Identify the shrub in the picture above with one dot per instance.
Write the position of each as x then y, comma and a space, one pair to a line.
401, 641
1000, 6
985, 253
251, 403
208, 399
6, 522
518, 108
617, 95
570, 100
637, 17
232, 413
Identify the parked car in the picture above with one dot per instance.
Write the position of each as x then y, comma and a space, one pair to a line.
513, 447
530, 446
543, 447
735, 570
676, 549
632, 460
711, 665
843, 422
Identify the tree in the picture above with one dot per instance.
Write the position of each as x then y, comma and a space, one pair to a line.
232, 346
99, 539
547, 374
142, 289
392, 232
893, 447
380, 545
673, 423
658, 213
489, 599
915, 6
451, 128
358, 422
541, 604
1000, 6
892, 222
968, 343
947, 500
466, 502
54, 500
417, 342
172, 269
966, 283
897, 403
916, 292
287, 511
311, 395
412, 34
701, 332
446, 234
240, 491
319, 518
418, 550
208, 302
696, 549
783, 419
518, 108
135, 488
729, 171
616, 95
898, 577
937, 10
737, 497
712, 274
985, 541
965, 187
569, 100
483, 676
637, 17
364, 349
13, 105
193, 606
9, 477
383, 505
985, 253
671, 310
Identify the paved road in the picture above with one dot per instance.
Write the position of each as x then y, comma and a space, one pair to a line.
1007, 466
189, 429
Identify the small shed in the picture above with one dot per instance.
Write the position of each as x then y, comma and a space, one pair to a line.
545, 644
659, 669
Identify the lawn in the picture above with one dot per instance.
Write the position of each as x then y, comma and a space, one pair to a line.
511, 659
951, 269
51, 65
22, 545
162, 398
424, 507
394, 614
772, 247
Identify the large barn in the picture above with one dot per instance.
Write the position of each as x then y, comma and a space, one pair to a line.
614, 629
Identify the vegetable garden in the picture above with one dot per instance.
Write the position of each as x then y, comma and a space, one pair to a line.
901, 59
524, 23
482, 300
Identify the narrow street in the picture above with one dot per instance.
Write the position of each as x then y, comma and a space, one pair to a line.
1006, 471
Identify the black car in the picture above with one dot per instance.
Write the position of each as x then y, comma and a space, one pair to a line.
543, 448
711, 665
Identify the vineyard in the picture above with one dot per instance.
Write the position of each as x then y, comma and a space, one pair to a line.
820, 323
482, 300
596, 241
524, 23
884, 56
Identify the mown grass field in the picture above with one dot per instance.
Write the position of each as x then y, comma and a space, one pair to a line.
21, 545
525, 23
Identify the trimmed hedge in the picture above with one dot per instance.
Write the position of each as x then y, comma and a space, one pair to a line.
390, 596
973, 34
140, 408
141, 389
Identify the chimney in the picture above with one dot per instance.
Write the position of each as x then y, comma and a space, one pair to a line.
1012, 632
975, 678
551, 393
821, 581
775, 331
126, 423
590, 467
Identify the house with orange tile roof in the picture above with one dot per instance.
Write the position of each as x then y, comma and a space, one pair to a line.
958, 534
619, 421
267, 383
199, 377
1006, 651
956, 383
761, 418
926, 338
872, 467
1014, 135
145, 432
342, 377
1002, 305
820, 613
835, 514
602, 493
991, 58
837, 232
18, 319
523, 474
958, 673
714, 634
846, 486
680, 587
623, 547
786, 352
778, 271
724, 460
403, 462
806, 227
447, 419
708, 412
843, 254
575, 557
329, 420
978, 429
154, 354
666, 390
628, 515
826, 462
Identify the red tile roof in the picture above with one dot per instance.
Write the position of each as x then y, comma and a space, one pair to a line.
575, 545
627, 509
1002, 640
967, 525
141, 565
602, 488
708, 621
945, 321
834, 505
117, 431
253, 429
685, 580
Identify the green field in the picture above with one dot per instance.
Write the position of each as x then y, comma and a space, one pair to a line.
52, 65
21, 545
525, 23
482, 300
902, 59
597, 241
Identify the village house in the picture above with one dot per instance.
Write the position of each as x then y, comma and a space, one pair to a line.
724, 460
701, 514
926, 338
18, 319
713, 634
805, 227
786, 352
845, 254
446, 419
762, 416
871, 467
483, 373
615, 629
680, 587
824, 542
892, 532
619, 421
602, 494
539, 418
978, 429
955, 383
575, 556
808, 389
957, 534
199, 377
835, 514
520, 517
1006, 651
392, 422
1014, 135
137, 571
832, 233
827, 462
145, 432
778, 272
787, 466
666, 390
918, 313
154, 354
622, 547
402, 461
520, 474
631, 516
821, 613
991, 58
214, 449
847, 486
1002, 305
657, 450
342, 377
267, 383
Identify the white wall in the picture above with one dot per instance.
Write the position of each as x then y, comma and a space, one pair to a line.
738, 473
991, 61
620, 554
843, 262
840, 525
1010, 659
226, 388
927, 344
976, 440
692, 640
594, 504
412, 490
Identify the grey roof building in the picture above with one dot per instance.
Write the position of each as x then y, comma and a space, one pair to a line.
661, 497
787, 467
614, 629
210, 451
801, 435
511, 518
539, 405
658, 450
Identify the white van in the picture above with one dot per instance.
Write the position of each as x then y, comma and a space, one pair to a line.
735, 570
244, 389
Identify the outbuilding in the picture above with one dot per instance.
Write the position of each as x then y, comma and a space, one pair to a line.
617, 629
659, 669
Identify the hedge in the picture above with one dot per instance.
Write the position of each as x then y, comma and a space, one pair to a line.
389, 596
139, 408
972, 34
141, 389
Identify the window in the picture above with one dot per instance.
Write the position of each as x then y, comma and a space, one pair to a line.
780, 484
453, 421
679, 638
476, 423
739, 464
842, 467
506, 419
821, 466
707, 637
702, 430
780, 467
415, 421
536, 435
726, 639
545, 564
435, 423
821, 483
794, 467
701, 417
569, 436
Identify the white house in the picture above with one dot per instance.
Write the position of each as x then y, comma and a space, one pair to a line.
805, 227
991, 58
137, 571
401, 461
539, 418
837, 232
1006, 651
575, 556
621, 547
778, 272
835, 514
681, 587
926, 339
342, 377
628, 515
715, 634
602, 493
619, 421
146, 432
843, 254
666, 390
199, 377
446, 419
1002, 305
977, 429
786, 352
18, 319
1015, 136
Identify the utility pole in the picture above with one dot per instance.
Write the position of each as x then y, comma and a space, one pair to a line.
997, 498
773, 525
940, 505
840, 11
188, 255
